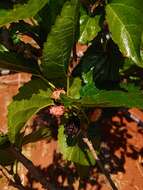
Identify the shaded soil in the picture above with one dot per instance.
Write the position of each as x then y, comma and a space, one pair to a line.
121, 150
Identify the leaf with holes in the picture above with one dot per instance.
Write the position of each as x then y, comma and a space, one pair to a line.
126, 25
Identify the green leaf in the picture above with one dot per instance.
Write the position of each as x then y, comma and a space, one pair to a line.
100, 63
89, 90
19, 12
74, 153
5, 156
57, 49
126, 25
50, 11
129, 97
41, 133
32, 87
74, 90
128, 63
89, 28
3, 141
142, 47
3, 48
20, 111
16, 62
93, 97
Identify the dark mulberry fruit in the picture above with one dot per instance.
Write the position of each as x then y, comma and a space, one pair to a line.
72, 127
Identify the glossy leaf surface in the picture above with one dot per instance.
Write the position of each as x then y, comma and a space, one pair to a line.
126, 25
89, 28
57, 49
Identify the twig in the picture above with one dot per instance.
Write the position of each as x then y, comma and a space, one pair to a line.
68, 85
95, 5
6, 174
35, 173
95, 156
47, 82
18, 186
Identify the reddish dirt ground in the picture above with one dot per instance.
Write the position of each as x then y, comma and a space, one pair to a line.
122, 146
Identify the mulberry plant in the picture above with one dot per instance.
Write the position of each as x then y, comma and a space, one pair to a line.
105, 75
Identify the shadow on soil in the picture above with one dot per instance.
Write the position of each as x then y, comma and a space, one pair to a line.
114, 149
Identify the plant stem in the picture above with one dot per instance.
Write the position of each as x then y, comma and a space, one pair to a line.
95, 156
18, 186
33, 21
35, 172
15, 167
6, 174
95, 5
68, 85
47, 82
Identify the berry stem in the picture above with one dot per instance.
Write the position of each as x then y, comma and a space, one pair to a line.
68, 85
95, 156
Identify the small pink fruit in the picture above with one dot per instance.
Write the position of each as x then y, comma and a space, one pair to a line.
56, 94
57, 110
